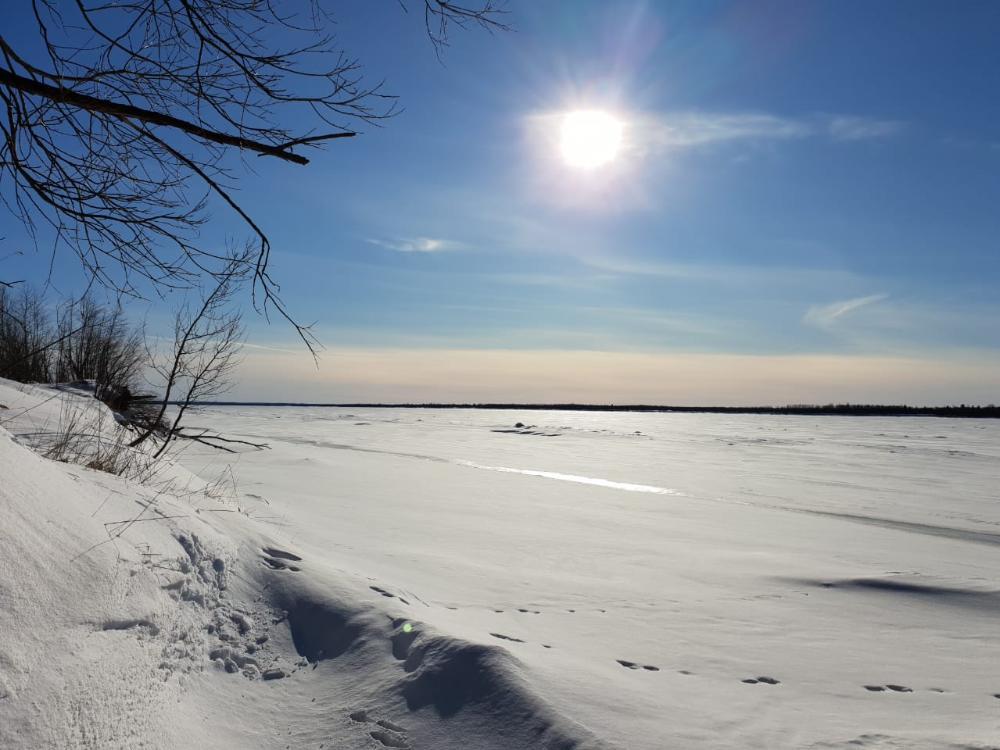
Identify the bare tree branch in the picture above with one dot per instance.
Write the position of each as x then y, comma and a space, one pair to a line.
119, 126
127, 111
207, 340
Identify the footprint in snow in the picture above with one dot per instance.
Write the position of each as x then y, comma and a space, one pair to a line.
387, 594
387, 733
633, 665
279, 559
883, 688
503, 637
281, 554
275, 564
761, 680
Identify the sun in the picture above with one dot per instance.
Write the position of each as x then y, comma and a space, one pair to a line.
590, 138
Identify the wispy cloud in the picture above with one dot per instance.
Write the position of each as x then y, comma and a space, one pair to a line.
825, 316
798, 277
265, 347
690, 129
417, 245
698, 128
862, 128
878, 323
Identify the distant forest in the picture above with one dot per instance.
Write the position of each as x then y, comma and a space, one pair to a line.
853, 410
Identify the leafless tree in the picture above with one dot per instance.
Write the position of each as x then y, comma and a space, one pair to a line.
199, 364
115, 135
25, 336
96, 342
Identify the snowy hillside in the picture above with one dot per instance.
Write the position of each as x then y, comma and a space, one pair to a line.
162, 615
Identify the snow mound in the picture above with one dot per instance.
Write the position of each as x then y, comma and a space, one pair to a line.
451, 693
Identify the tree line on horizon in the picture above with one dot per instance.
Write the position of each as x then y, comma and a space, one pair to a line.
846, 409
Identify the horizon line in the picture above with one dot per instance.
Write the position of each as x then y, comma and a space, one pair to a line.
833, 409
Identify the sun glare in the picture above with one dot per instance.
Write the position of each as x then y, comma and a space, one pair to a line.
590, 138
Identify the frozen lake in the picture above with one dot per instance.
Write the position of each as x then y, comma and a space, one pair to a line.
668, 580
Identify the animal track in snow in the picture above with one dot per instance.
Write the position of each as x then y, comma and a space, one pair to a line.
633, 665
389, 594
761, 680
503, 637
893, 688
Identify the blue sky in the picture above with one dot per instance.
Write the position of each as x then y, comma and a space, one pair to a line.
804, 208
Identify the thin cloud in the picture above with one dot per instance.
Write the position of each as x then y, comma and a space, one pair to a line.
267, 348
825, 316
861, 128
417, 245
722, 273
692, 129
696, 129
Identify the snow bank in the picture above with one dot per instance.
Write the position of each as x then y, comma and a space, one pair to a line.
91, 638
162, 614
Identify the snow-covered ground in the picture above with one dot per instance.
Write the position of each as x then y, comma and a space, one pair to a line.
641, 568
444, 579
